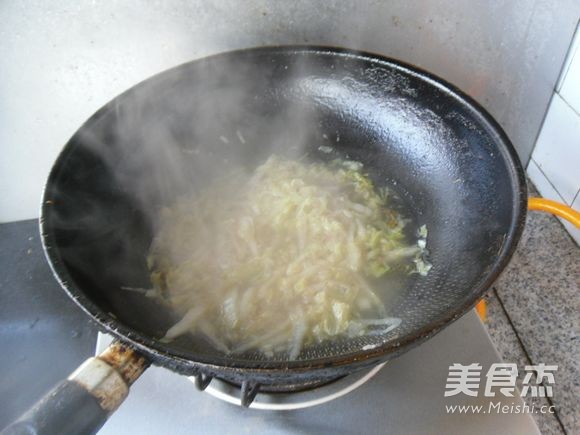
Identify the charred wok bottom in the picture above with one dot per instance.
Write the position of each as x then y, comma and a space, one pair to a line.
249, 386
252, 382
248, 390
293, 387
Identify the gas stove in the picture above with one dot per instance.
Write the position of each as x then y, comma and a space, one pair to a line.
405, 395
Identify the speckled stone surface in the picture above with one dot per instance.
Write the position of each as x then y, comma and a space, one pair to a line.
509, 347
539, 292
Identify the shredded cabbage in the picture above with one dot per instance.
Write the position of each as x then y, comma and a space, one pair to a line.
280, 259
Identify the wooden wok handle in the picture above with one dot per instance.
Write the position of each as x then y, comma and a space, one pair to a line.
82, 403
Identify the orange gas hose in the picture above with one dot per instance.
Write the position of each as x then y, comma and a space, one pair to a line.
553, 207
548, 206
481, 309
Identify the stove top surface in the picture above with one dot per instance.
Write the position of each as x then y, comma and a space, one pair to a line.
404, 396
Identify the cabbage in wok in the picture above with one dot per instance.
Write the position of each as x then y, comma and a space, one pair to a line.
280, 259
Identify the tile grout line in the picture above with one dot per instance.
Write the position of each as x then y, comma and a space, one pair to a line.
567, 103
575, 197
548, 180
558, 219
527, 355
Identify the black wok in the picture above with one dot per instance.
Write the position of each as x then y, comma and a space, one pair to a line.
449, 161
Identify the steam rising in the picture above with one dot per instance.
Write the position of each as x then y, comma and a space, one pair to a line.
169, 138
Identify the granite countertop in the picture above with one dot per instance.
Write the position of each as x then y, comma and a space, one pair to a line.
533, 315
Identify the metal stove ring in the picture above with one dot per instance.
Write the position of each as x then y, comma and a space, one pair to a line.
293, 400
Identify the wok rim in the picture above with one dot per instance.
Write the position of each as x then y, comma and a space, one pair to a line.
167, 356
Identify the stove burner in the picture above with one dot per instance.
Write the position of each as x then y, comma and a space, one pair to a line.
293, 397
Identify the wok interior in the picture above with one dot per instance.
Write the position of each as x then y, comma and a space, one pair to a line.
445, 162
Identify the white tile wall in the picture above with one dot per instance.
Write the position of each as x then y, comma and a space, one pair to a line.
547, 190
569, 84
555, 164
557, 151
